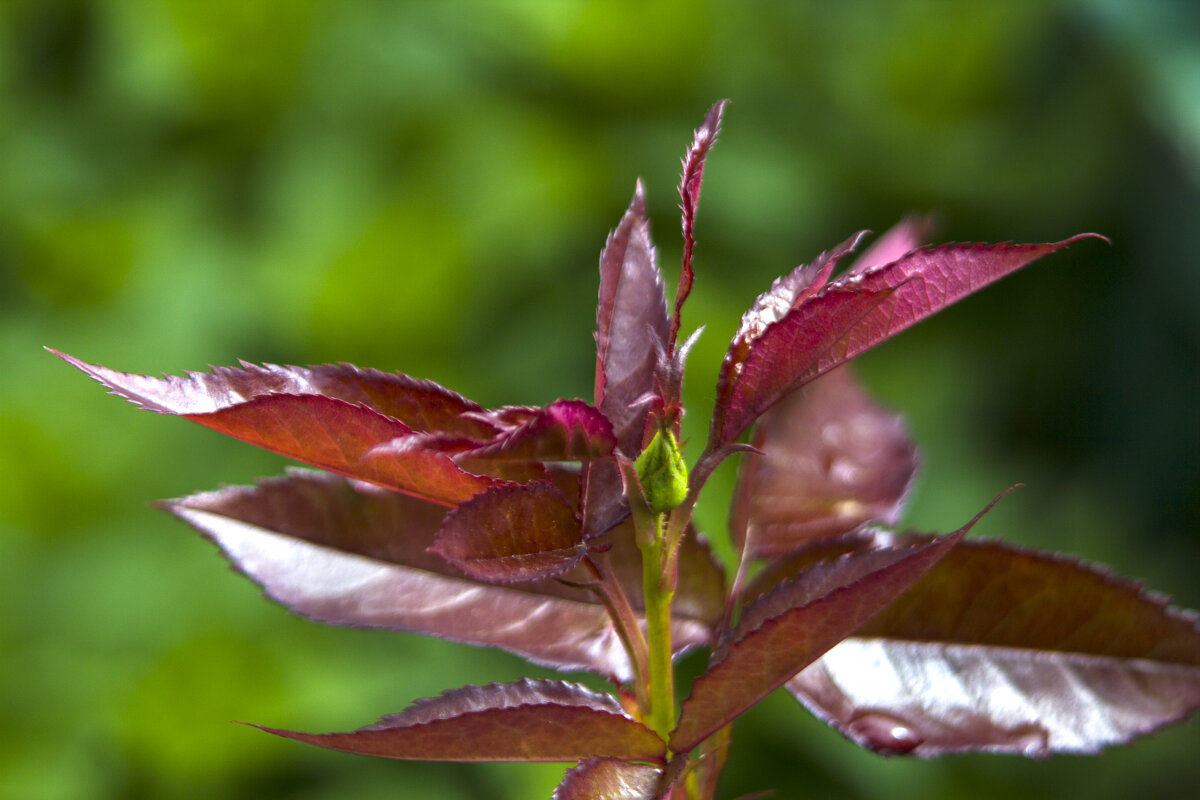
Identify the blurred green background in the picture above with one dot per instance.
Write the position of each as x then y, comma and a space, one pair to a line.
426, 187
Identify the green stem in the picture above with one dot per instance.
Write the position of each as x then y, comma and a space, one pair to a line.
658, 633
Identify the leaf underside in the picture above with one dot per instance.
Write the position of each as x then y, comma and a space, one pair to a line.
1003, 649
533, 720
348, 553
609, 779
831, 460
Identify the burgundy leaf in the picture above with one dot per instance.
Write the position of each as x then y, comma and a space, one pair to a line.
326, 432
689, 195
787, 629
609, 779
348, 553
902, 238
421, 405
631, 326
565, 430
1003, 649
533, 720
831, 461
781, 347
512, 534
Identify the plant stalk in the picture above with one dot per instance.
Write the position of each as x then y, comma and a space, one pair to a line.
658, 635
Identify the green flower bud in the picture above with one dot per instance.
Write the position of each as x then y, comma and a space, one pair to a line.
662, 472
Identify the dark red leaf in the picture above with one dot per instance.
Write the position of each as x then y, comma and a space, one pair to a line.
631, 326
348, 553
609, 779
1003, 649
512, 534
327, 432
781, 345
689, 195
565, 430
787, 629
831, 461
526, 721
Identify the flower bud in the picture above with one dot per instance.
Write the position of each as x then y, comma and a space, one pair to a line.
662, 472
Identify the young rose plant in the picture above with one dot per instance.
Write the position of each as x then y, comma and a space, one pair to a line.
563, 534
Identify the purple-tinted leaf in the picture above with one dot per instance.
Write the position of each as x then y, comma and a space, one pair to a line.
421, 405
327, 432
831, 461
1003, 649
533, 720
788, 628
609, 779
902, 238
565, 430
348, 553
631, 326
689, 195
512, 534
781, 347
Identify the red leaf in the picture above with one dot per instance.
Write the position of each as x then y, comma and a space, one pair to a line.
782, 345
831, 461
631, 326
609, 779
1003, 649
899, 240
565, 430
533, 720
327, 432
348, 553
787, 629
689, 195
512, 534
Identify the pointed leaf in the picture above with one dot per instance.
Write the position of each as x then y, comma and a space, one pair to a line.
780, 349
1003, 649
326, 432
631, 326
902, 238
512, 534
795, 624
565, 430
348, 553
609, 779
533, 720
831, 461
689, 195
420, 405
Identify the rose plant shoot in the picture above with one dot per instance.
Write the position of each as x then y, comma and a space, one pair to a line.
563, 533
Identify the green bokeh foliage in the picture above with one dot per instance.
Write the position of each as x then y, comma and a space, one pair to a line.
425, 187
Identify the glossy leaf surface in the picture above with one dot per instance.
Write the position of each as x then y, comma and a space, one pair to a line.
689, 197
609, 779
348, 553
512, 534
565, 430
326, 432
526, 721
832, 460
1009, 650
787, 629
778, 348
631, 326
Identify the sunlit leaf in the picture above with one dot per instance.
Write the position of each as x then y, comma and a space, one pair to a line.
349, 553
787, 629
326, 432
565, 430
512, 534
831, 461
1009, 650
526, 721
631, 326
609, 779
689, 196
